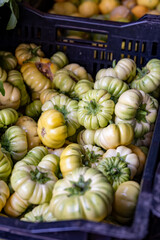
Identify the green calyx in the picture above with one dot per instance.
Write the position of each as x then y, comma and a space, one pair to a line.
38, 176
35, 50
115, 170
39, 218
143, 72
63, 110
141, 113
90, 157
79, 187
93, 107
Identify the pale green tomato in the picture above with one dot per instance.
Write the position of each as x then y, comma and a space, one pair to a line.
84, 194
8, 116
86, 136
112, 85
33, 109
136, 104
60, 59
106, 72
137, 108
126, 69
50, 162
78, 70
7, 60
140, 128
114, 135
3, 74
125, 154
33, 183
115, 170
14, 140
82, 87
65, 80
40, 213
33, 157
95, 109
92, 155
148, 80
16, 79
4, 194
15, 205
125, 201
5, 164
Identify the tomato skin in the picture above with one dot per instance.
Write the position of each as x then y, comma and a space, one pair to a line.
52, 129
87, 204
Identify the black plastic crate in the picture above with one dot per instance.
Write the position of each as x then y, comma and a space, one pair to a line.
139, 41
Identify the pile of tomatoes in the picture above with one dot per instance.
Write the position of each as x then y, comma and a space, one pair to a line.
71, 145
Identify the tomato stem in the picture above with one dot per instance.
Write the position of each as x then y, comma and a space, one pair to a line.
79, 187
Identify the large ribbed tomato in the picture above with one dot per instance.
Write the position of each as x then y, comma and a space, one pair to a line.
52, 129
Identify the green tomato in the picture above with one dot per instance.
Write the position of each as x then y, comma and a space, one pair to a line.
126, 69
115, 170
95, 110
82, 87
148, 80
112, 85
14, 140
40, 213
5, 164
33, 184
33, 109
60, 59
7, 60
8, 116
16, 79
84, 194
65, 80
33, 157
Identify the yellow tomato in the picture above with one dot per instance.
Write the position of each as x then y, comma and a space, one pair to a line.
52, 129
